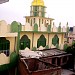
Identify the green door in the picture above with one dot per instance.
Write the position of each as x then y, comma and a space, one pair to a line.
41, 41
24, 42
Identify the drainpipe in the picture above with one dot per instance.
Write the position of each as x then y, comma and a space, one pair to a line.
18, 39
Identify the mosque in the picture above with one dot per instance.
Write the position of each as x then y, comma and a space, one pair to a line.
39, 31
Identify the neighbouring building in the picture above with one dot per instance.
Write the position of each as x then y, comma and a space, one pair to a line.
71, 35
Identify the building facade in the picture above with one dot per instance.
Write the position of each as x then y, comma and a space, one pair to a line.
38, 31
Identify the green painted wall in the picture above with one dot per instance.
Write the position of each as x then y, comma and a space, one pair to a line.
14, 26
49, 28
59, 28
35, 27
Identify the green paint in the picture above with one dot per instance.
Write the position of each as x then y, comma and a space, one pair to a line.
46, 47
43, 11
55, 40
36, 10
18, 38
49, 28
12, 64
44, 32
14, 26
41, 41
34, 48
35, 27
59, 28
24, 42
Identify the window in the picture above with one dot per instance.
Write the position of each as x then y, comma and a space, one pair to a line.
4, 46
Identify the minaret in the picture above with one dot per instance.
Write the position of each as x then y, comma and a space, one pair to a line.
37, 8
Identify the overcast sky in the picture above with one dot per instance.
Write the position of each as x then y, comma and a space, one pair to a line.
61, 10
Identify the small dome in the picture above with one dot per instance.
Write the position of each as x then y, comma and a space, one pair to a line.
38, 3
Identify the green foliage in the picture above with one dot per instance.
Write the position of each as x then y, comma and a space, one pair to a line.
46, 47
65, 46
35, 27
34, 48
49, 28
14, 26
71, 49
73, 42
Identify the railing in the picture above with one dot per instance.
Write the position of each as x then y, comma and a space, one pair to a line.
6, 52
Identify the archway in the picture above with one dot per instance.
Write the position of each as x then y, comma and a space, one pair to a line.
24, 42
55, 40
41, 41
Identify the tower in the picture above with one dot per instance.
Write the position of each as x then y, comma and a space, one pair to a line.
37, 14
37, 8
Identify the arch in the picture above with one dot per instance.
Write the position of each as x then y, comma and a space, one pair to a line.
41, 41
55, 40
4, 45
14, 26
24, 42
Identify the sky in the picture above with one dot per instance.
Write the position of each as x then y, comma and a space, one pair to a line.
61, 10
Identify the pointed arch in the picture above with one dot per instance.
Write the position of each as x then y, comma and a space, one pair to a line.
41, 41
24, 42
14, 26
55, 40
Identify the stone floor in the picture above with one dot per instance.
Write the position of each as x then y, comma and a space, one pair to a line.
67, 72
